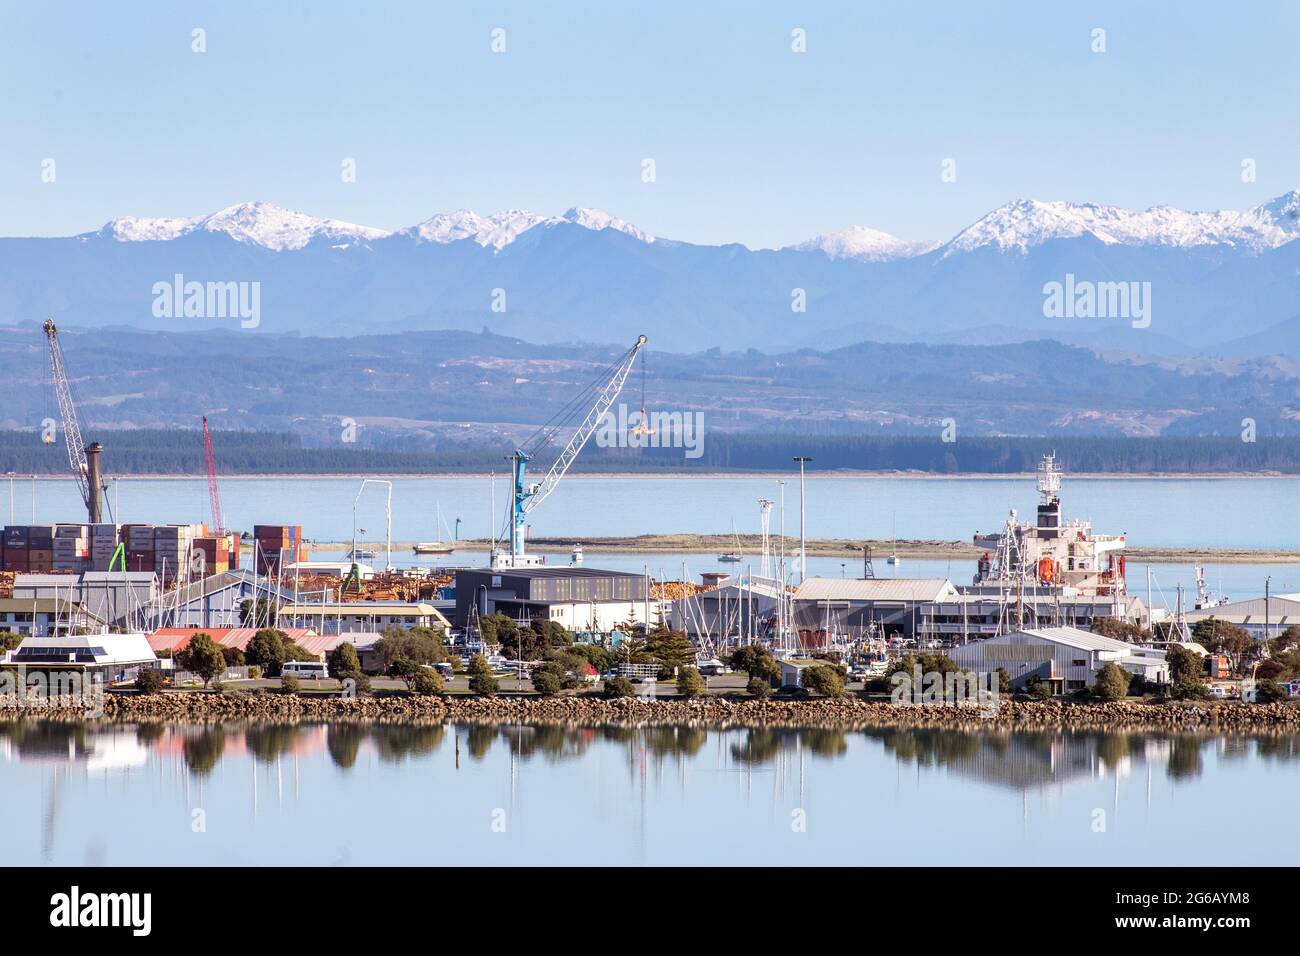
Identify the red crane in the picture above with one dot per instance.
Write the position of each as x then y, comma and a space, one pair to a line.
209, 456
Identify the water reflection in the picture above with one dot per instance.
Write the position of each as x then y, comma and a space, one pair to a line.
93, 791
1015, 759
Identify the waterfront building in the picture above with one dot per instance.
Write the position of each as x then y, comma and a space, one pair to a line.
40, 617
1260, 617
108, 657
856, 608
335, 617
580, 599
1064, 658
114, 597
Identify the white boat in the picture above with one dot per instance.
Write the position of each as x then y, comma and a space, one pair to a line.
576, 556
439, 547
361, 554
433, 547
732, 557
893, 558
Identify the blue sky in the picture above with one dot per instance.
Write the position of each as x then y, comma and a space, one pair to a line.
752, 142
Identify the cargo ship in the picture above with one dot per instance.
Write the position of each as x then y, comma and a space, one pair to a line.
1051, 552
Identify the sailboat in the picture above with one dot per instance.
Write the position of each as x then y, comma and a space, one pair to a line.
732, 557
361, 552
439, 547
893, 558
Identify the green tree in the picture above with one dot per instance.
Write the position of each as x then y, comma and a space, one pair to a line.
1004, 681
595, 655
825, 679
522, 644
756, 661
1112, 682
546, 681
758, 687
1232, 642
689, 682
149, 680
419, 645
552, 633
494, 627
343, 661
405, 670
672, 649
619, 687
1120, 630
1289, 638
1269, 692
427, 681
481, 680
233, 655
1186, 672
202, 656
1038, 689
268, 650
289, 684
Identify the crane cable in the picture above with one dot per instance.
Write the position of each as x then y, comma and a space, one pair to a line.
546, 433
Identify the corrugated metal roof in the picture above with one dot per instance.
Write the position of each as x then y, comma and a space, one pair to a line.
875, 589
1279, 609
324, 643
1077, 637
174, 638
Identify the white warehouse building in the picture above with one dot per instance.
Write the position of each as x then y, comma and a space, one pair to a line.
1065, 658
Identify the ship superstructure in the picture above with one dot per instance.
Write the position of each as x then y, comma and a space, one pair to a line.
1051, 552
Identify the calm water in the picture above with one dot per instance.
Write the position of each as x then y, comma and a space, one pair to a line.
1229, 512
401, 794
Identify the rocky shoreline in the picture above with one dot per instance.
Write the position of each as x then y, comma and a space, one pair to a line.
190, 707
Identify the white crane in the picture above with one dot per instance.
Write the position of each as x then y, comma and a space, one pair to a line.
84, 459
596, 399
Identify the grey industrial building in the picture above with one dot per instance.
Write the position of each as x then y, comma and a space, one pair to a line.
578, 598
114, 597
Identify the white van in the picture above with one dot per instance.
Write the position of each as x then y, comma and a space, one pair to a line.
300, 669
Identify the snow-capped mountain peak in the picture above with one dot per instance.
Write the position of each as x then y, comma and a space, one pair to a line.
867, 245
503, 228
257, 223
598, 219
1025, 223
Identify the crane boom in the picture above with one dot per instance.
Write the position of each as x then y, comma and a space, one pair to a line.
528, 496
71, 430
210, 460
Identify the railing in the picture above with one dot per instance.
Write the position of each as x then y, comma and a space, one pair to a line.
231, 673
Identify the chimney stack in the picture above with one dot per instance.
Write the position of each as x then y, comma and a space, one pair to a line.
94, 481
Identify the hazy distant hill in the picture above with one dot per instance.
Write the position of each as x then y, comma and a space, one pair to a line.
422, 388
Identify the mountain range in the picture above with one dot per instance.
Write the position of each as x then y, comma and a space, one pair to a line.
1221, 283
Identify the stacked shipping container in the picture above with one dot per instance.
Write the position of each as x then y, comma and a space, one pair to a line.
72, 548
278, 546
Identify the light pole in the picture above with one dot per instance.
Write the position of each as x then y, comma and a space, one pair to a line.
803, 540
1267, 581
